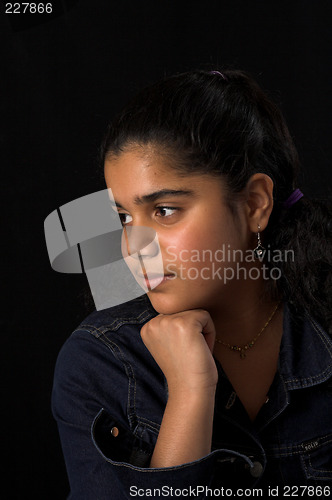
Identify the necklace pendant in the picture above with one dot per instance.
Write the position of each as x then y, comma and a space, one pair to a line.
243, 350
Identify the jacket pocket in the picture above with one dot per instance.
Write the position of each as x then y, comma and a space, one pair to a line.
118, 444
317, 458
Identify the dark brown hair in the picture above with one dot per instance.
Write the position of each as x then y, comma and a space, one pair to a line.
225, 125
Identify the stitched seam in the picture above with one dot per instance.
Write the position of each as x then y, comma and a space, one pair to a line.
309, 475
118, 322
283, 454
130, 374
308, 378
297, 449
178, 467
323, 376
313, 377
147, 423
91, 329
315, 325
305, 467
152, 422
318, 470
328, 370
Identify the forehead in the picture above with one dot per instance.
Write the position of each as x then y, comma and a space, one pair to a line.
147, 163
145, 170
135, 160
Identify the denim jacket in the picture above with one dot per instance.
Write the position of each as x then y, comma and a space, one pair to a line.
109, 396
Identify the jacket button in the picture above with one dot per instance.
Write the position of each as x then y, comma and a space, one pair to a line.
115, 431
256, 470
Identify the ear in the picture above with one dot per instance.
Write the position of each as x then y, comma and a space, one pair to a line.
259, 201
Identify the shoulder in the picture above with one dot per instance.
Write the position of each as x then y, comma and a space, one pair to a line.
102, 354
111, 325
134, 312
302, 324
105, 333
306, 350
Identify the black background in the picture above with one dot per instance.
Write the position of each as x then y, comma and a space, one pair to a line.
62, 77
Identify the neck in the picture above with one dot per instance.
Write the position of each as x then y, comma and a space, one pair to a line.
243, 312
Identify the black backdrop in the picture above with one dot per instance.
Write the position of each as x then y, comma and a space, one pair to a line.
62, 77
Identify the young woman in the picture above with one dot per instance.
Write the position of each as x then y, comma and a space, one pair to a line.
220, 376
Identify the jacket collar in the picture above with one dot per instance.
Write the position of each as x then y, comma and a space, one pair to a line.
305, 353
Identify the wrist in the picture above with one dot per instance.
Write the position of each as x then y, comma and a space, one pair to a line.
187, 393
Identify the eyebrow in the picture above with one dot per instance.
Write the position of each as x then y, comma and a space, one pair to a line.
146, 198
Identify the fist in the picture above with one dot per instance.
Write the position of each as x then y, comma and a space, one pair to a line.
182, 345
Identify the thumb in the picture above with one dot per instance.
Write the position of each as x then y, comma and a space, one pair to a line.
209, 331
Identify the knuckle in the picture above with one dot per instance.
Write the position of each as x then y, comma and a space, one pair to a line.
145, 330
203, 312
163, 320
179, 322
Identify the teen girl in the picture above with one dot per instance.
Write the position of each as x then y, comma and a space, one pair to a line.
206, 382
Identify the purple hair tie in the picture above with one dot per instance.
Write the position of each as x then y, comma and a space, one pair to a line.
293, 198
218, 73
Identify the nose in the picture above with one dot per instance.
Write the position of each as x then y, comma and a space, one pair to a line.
139, 241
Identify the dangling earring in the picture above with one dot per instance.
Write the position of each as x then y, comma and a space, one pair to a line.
259, 250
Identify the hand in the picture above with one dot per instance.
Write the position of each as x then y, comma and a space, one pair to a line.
182, 345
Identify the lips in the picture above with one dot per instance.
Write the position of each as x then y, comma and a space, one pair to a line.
153, 279
153, 275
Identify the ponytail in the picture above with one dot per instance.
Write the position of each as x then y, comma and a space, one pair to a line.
305, 229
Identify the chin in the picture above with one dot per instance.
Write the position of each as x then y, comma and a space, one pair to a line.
170, 304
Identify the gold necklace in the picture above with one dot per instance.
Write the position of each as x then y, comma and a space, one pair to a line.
249, 345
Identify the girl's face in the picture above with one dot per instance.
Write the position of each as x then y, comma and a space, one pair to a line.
196, 230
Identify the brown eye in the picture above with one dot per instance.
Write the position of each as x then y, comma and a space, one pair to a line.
123, 219
164, 210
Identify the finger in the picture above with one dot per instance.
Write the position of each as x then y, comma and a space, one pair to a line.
208, 330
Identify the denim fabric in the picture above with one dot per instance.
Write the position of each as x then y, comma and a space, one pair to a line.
109, 396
